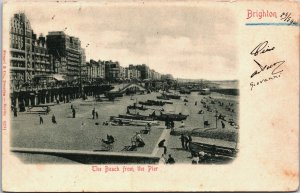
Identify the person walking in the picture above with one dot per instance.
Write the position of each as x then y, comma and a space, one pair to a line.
93, 113
189, 141
223, 125
15, 112
182, 139
96, 114
74, 113
162, 144
186, 141
41, 120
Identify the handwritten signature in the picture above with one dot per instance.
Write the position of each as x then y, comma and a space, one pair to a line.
261, 48
273, 66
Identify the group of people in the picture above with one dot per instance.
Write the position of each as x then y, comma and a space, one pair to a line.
220, 116
185, 141
199, 157
137, 140
169, 160
169, 124
94, 114
42, 120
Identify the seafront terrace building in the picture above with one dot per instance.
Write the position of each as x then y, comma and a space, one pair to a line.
67, 53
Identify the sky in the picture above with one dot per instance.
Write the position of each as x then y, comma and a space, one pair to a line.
186, 41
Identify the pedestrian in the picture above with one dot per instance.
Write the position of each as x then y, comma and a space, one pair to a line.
96, 114
93, 113
41, 120
195, 103
15, 112
74, 113
172, 124
171, 160
186, 141
189, 141
182, 139
54, 119
223, 125
71, 106
162, 144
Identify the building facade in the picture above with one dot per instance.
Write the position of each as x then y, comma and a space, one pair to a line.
67, 54
42, 61
21, 63
112, 70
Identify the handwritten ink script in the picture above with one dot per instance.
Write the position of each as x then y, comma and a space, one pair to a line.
287, 17
273, 69
124, 169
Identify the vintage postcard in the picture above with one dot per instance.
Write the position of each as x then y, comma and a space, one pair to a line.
150, 96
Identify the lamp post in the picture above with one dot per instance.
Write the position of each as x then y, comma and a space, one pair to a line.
216, 119
80, 77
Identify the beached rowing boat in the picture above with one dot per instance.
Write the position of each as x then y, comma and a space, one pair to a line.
123, 121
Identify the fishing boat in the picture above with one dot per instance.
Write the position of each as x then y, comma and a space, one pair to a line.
136, 117
169, 116
152, 103
137, 107
124, 121
185, 91
171, 96
164, 97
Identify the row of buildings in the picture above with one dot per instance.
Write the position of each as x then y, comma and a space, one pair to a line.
61, 57
109, 70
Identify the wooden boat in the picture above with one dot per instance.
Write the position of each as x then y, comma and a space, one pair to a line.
137, 107
185, 91
153, 103
136, 117
169, 116
171, 96
123, 121
164, 97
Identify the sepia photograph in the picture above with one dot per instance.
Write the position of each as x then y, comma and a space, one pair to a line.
119, 85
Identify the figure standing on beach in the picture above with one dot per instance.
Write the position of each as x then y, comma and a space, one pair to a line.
186, 141
15, 112
96, 114
223, 125
41, 120
74, 113
93, 113
182, 139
